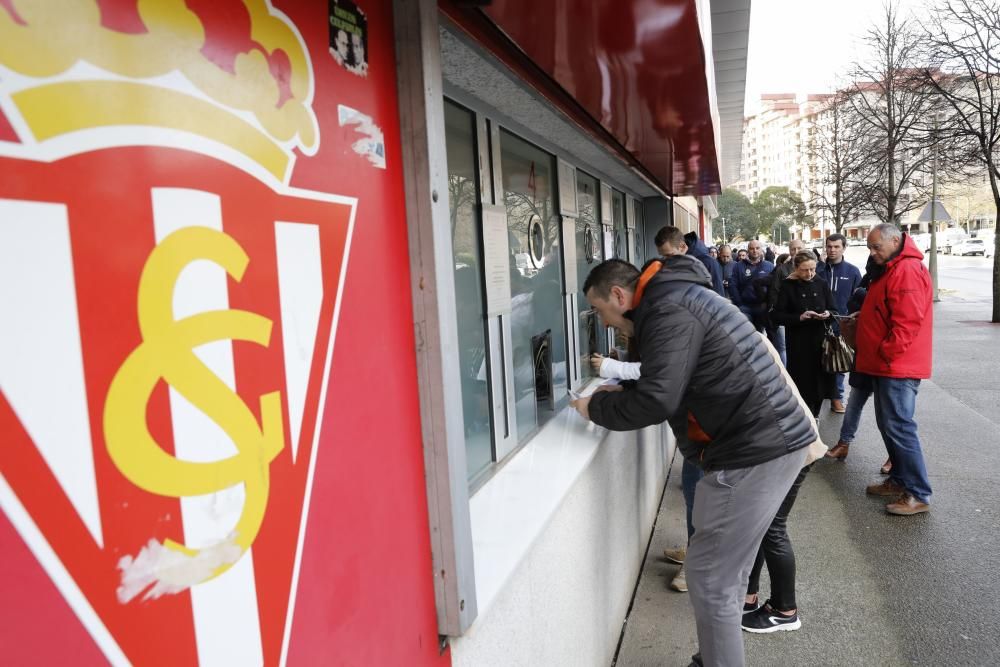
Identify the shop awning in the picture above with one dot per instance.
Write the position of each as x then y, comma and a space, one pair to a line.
644, 77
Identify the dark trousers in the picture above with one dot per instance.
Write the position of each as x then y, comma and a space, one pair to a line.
758, 317
690, 476
776, 551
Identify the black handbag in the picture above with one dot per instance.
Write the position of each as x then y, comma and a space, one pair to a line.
838, 356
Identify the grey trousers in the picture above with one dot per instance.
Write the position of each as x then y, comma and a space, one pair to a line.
732, 510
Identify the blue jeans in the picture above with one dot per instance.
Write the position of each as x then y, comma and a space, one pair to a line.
895, 402
855, 405
777, 337
839, 393
690, 474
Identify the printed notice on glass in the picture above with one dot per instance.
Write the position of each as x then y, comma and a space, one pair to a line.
605, 203
609, 242
567, 189
569, 254
496, 260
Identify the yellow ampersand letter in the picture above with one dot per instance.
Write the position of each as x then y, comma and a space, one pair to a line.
166, 352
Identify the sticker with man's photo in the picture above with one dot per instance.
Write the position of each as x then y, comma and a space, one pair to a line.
349, 36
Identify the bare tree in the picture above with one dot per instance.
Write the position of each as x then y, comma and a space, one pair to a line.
840, 151
964, 42
893, 103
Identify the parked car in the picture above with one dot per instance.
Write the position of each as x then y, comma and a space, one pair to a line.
949, 238
969, 247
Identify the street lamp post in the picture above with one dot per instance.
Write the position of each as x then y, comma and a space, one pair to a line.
933, 261
723, 229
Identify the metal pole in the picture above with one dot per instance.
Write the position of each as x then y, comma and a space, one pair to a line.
723, 229
933, 262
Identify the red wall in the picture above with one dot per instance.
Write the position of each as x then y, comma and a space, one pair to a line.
364, 593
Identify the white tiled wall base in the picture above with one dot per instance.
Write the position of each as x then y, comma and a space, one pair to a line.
564, 600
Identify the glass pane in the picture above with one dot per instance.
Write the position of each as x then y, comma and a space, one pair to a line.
466, 244
640, 228
537, 323
588, 255
618, 223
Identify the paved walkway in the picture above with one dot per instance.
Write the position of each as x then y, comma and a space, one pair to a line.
875, 589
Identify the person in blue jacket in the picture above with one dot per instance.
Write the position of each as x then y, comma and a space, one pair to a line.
843, 278
748, 291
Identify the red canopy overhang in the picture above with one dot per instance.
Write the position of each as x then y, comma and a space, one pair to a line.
633, 74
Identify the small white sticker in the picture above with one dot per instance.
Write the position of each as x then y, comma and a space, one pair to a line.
371, 145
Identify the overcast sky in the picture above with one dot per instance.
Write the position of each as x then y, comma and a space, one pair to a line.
803, 46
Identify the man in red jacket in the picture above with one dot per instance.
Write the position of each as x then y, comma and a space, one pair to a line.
894, 347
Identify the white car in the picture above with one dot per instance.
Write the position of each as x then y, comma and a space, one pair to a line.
969, 247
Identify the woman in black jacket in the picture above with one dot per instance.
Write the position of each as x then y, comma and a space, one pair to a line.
804, 307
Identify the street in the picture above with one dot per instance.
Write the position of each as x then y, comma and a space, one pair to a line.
962, 278
875, 589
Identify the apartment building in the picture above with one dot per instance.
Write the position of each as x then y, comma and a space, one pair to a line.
776, 147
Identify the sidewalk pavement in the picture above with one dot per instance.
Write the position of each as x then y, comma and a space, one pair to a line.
874, 589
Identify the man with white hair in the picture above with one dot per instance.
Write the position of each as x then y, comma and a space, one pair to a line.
894, 342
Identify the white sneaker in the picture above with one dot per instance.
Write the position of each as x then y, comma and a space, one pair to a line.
680, 583
675, 555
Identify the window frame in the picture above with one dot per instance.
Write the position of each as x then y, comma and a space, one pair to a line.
499, 335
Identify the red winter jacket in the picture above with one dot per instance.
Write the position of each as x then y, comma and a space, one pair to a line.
897, 319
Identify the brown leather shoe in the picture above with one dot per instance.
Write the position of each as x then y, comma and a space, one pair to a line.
837, 405
906, 506
886, 488
886, 467
839, 451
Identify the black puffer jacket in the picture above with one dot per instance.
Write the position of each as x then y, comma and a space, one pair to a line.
702, 360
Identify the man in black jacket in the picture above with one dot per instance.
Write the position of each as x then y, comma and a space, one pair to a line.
707, 372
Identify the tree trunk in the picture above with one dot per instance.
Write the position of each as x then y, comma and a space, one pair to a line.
996, 262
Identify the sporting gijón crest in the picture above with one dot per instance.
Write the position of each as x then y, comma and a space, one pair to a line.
164, 362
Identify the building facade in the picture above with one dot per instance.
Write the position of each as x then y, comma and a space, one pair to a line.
294, 299
778, 152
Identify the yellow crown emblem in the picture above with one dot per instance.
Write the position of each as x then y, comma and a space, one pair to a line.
67, 66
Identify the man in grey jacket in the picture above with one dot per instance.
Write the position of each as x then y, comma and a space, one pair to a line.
711, 377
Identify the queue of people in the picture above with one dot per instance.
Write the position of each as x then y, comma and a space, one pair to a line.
700, 319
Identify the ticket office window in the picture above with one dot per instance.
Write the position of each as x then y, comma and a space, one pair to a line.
591, 331
537, 323
514, 361
466, 237
512, 349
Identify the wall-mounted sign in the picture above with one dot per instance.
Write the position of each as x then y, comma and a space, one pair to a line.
567, 189
569, 254
496, 259
176, 306
606, 204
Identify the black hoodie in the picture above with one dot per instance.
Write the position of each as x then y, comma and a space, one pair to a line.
708, 373
698, 249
